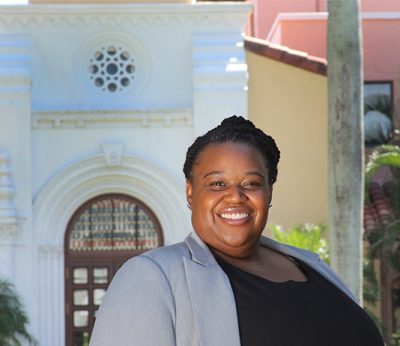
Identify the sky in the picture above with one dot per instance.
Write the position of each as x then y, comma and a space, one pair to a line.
13, 2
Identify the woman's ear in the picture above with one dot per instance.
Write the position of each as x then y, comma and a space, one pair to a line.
269, 197
189, 189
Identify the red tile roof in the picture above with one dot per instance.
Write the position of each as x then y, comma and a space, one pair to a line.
378, 210
286, 55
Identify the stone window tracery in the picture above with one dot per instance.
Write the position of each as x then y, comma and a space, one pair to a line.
112, 68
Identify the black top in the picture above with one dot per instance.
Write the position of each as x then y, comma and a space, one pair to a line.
310, 313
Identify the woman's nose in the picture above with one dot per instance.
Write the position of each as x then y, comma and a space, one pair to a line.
235, 193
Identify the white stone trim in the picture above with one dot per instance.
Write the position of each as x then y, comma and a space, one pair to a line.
219, 78
8, 230
96, 118
61, 197
87, 178
148, 14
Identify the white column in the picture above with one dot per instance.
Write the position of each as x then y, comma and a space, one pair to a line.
8, 217
15, 137
51, 296
6, 251
219, 78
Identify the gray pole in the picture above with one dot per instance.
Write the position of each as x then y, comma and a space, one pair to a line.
346, 141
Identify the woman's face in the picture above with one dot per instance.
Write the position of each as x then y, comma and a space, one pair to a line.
229, 197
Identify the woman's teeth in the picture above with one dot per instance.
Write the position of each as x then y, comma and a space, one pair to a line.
235, 216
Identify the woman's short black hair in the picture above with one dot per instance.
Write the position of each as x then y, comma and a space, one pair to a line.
236, 129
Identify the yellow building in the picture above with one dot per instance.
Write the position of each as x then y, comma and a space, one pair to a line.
288, 100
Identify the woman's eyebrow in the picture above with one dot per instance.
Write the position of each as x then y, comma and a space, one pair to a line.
213, 172
222, 172
255, 173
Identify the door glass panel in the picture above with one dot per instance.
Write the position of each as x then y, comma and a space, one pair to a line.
80, 276
81, 297
100, 275
98, 294
81, 338
81, 318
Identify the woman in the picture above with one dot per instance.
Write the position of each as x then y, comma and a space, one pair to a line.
226, 284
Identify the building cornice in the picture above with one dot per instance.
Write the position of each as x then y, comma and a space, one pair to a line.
165, 14
286, 55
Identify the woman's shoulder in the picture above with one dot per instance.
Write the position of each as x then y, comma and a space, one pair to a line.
168, 254
163, 260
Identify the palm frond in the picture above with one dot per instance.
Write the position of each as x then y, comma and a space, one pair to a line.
13, 319
379, 160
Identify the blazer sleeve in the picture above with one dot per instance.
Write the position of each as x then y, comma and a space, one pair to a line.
138, 308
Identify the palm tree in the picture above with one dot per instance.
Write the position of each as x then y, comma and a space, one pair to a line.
345, 135
382, 225
13, 319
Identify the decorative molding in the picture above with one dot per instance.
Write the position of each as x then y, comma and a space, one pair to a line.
8, 215
50, 249
216, 14
8, 230
15, 59
90, 177
225, 71
113, 153
132, 118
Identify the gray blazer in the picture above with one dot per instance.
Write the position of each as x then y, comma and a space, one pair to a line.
179, 295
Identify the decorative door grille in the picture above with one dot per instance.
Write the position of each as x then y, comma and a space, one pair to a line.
101, 235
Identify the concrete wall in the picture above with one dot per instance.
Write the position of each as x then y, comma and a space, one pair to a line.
381, 41
266, 11
290, 104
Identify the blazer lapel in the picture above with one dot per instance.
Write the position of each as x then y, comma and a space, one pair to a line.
212, 298
213, 304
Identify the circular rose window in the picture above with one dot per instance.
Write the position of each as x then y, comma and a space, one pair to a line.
112, 69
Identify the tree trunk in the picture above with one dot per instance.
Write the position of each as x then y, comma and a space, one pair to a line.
346, 141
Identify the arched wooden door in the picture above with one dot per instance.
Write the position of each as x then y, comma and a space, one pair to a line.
101, 235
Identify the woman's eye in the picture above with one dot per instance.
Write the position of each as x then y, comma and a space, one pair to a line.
252, 184
217, 184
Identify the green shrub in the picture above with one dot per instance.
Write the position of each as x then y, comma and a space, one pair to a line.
307, 236
13, 319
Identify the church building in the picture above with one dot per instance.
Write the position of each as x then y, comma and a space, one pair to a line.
98, 104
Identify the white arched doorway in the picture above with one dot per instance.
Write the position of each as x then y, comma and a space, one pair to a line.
65, 193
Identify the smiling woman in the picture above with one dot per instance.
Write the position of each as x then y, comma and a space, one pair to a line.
226, 284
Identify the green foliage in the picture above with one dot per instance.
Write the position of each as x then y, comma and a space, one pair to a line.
378, 102
383, 156
13, 319
308, 236
370, 287
395, 339
386, 235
